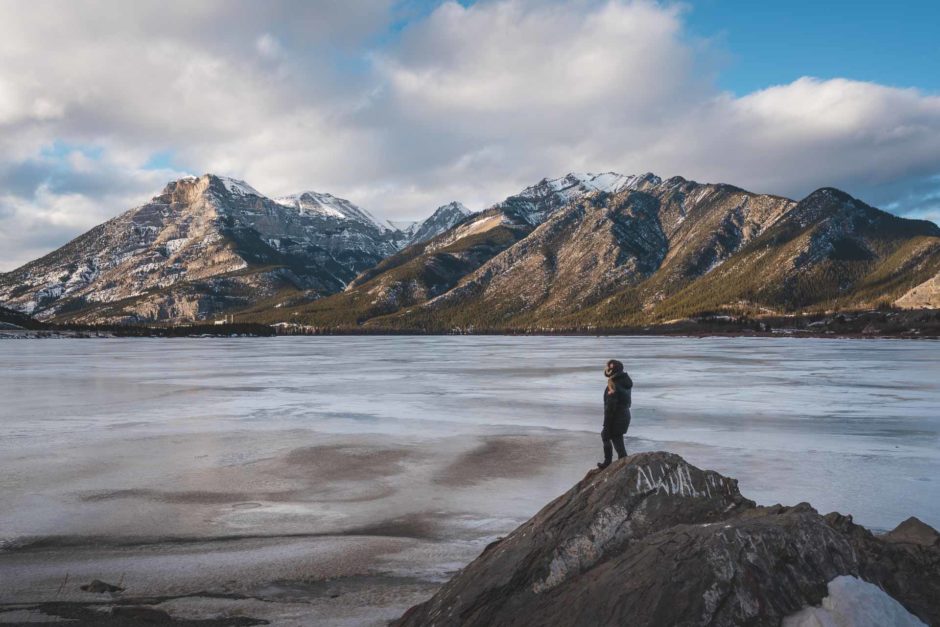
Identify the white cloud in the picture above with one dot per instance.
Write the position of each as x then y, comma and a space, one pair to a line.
518, 90
467, 103
512, 56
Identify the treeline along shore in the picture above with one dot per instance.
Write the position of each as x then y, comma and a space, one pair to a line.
879, 323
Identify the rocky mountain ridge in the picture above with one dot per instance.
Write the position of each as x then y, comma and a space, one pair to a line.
328, 205
430, 268
638, 250
205, 246
579, 252
443, 218
653, 540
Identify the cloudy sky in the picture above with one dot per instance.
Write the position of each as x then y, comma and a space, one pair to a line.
402, 106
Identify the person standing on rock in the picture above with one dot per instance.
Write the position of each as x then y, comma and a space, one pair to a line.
617, 401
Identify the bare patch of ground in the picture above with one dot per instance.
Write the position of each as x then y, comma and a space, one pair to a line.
344, 463
505, 457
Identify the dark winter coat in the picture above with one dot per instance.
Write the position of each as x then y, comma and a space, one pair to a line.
617, 400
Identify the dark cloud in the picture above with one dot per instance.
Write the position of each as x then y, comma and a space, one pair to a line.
22, 179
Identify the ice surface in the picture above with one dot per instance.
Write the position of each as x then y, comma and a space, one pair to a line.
854, 603
850, 425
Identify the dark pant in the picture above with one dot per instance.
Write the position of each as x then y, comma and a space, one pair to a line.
613, 441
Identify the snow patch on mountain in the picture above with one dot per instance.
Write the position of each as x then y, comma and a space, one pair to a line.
443, 219
332, 206
535, 203
238, 187
576, 184
457, 207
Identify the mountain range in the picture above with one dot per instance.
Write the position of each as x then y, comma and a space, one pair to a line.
578, 252
606, 251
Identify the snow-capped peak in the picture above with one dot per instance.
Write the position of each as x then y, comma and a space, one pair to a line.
238, 187
443, 218
454, 207
541, 199
330, 205
575, 183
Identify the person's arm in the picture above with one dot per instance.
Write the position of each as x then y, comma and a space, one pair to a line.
624, 393
610, 401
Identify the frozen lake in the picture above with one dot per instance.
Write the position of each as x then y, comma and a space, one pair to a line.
400, 457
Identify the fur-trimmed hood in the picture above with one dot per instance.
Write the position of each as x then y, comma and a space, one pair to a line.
619, 379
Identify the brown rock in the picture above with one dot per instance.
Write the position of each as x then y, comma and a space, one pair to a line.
914, 531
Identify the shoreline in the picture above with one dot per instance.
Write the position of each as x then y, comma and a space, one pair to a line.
28, 334
865, 324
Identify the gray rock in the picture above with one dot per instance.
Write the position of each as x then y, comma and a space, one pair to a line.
654, 541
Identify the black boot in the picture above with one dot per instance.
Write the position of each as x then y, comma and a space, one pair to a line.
604, 464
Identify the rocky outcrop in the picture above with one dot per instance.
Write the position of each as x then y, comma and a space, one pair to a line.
923, 296
653, 540
443, 218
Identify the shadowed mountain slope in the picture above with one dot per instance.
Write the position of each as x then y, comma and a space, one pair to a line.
649, 250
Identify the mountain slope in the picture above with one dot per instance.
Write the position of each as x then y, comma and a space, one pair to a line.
923, 295
204, 245
568, 253
443, 219
830, 250
649, 239
577, 252
410, 276
428, 269
590, 243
